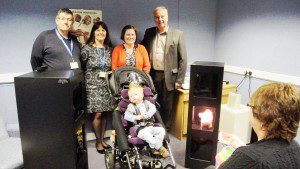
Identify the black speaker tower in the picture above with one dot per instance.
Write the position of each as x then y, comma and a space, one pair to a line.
52, 119
204, 113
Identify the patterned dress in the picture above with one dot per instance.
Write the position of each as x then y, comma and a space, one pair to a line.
98, 96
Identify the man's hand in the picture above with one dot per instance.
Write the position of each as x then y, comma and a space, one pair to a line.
177, 85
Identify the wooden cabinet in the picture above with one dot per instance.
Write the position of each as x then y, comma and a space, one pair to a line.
180, 119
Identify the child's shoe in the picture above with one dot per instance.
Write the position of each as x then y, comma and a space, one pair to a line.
164, 152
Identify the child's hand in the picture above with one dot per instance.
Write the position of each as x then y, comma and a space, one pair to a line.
145, 117
139, 117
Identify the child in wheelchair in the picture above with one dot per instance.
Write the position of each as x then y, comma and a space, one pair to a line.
140, 139
140, 112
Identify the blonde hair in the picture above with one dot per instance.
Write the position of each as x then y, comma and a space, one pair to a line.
277, 106
160, 8
135, 87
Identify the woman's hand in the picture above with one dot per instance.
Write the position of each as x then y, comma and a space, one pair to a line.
236, 142
233, 140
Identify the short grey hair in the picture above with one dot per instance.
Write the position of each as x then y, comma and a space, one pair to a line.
160, 8
64, 10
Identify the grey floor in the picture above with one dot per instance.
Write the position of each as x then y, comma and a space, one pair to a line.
96, 160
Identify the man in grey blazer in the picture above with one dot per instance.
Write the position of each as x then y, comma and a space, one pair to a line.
166, 48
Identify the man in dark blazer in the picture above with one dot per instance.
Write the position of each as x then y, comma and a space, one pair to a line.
166, 48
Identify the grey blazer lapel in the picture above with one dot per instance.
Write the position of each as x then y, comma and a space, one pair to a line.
169, 40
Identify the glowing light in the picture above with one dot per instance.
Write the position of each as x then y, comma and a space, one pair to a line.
206, 118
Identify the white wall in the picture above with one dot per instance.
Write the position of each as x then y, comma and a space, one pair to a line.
256, 34
22, 21
8, 103
198, 20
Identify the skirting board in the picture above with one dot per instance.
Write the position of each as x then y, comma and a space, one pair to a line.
9, 77
263, 75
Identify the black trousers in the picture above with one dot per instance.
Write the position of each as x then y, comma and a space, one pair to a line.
165, 98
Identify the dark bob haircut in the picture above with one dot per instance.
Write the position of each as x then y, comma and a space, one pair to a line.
125, 29
107, 41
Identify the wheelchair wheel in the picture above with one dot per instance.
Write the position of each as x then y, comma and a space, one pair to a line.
157, 164
109, 158
114, 160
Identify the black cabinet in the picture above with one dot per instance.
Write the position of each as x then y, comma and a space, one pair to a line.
204, 113
52, 119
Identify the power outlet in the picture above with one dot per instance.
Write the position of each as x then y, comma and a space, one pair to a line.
248, 73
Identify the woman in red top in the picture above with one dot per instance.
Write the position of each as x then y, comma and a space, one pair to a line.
129, 53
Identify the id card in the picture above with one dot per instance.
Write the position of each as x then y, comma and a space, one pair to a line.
74, 65
102, 74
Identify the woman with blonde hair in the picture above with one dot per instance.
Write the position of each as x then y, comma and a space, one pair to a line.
274, 116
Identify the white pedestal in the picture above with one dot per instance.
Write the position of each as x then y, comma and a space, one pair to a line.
236, 121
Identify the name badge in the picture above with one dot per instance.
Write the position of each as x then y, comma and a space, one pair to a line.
102, 74
74, 65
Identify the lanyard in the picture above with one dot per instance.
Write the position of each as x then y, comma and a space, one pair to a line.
102, 59
66, 46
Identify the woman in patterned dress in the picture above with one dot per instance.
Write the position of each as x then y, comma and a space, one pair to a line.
130, 53
96, 61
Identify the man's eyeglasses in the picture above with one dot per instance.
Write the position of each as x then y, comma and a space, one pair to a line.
66, 19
